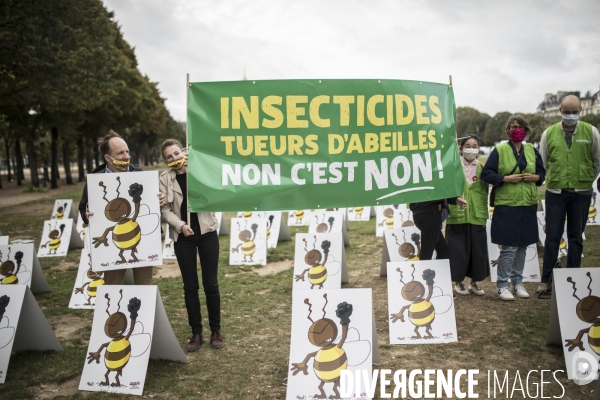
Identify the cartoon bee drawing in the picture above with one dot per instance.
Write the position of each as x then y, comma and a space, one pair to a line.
54, 236
128, 231
95, 280
317, 272
119, 349
408, 221
83, 231
322, 227
247, 214
357, 211
7, 332
12, 275
592, 211
588, 311
60, 212
248, 247
406, 249
269, 225
331, 358
299, 215
388, 213
421, 310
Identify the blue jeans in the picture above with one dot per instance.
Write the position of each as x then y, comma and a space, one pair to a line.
574, 207
511, 264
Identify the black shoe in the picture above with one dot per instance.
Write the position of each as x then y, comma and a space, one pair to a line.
195, 341
545, 294
216, 339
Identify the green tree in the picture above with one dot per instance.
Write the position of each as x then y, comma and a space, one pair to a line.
495, 128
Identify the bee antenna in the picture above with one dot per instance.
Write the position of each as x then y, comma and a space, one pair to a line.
239, 227
574, 288
326, 301
104, 187
119, 303
108, 305
315, 242
589, 276
309, 310
0, 255
8, 257
119, 179
412, 275
401, 275
394, 235
305, 244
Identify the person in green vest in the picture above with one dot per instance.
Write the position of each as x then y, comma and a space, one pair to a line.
571, 156
466, 233
516, 170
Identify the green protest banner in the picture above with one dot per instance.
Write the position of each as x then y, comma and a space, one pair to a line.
306, 144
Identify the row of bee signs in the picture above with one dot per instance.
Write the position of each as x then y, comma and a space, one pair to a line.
332, 328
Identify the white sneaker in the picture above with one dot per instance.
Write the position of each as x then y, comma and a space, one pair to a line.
460, 288
520, 291
504, 294
476, 290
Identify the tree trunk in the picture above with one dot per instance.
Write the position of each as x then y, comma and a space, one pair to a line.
19, 158
88, 159
67, 161
54, 158
29, 146
80, 157
96, 157
8, 159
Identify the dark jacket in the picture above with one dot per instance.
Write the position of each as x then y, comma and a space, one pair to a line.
425, 206
83, 203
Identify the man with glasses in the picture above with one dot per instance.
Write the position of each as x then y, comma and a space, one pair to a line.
571, 157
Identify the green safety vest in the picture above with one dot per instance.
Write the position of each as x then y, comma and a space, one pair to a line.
476, 196
570, 168
521, 193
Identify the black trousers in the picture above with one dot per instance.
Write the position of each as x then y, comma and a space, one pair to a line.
429, 223
207, 246
468, 251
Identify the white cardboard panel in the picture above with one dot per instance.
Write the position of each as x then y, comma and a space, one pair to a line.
57, 238
299, 217
357, 350
168, 246
399, 245
322, 221
222, 229
86, 284
316, 269
3, 240
248, 241
392, 216
63, 208
359, 214
23, 267
410, 292
131, 250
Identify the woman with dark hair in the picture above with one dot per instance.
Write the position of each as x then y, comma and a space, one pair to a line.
198, 236
516, 170
465, 226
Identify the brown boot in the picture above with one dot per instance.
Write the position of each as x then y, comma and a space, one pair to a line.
195, 341
216, 339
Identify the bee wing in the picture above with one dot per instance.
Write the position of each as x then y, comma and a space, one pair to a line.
140, 342
148, 223
333, 267
24, 277
441, 303
357, 350
531, 252
6, 336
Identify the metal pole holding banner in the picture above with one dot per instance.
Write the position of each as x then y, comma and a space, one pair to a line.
187, 141
450, 80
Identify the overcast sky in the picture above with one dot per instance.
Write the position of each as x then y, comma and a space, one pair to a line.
502, 55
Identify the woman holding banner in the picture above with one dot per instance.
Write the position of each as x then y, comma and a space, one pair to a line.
465, 226
198, 236
516, 170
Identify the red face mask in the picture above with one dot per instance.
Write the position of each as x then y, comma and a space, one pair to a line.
517, 135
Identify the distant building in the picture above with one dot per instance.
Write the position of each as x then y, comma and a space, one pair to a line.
590, 103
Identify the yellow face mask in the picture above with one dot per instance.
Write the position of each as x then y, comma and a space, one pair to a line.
120, 165
177, 164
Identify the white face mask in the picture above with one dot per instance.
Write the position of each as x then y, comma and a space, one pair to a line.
470, 154
570, 119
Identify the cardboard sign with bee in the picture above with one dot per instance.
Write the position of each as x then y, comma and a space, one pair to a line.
222, 229
276, 228
420, 303
23, 325
323, 221
3, 240
359, 213
125, 227
332, 330
83, 230
168, 246
130, 326
63, 209
248, 241
19, 265
320, 261
389, 217
563, 247
298, 217
86, 284
575, 320
57, 238
400, 244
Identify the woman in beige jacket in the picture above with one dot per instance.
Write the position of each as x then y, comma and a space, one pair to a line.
199, 236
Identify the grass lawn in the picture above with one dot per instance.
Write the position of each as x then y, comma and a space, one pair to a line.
256, 317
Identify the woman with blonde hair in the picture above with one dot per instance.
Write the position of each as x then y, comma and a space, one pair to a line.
198, 236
